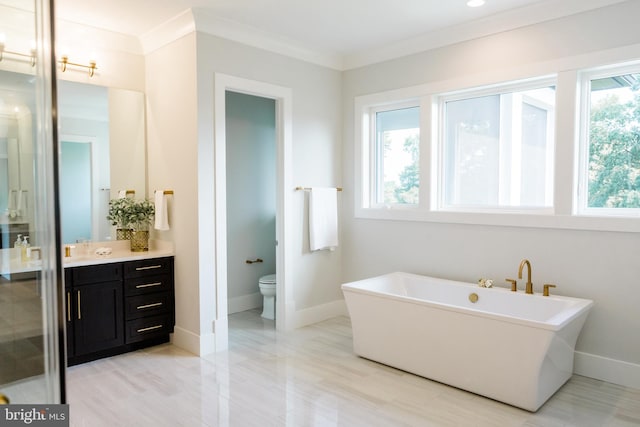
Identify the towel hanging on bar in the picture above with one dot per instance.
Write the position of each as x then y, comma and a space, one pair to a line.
323, 219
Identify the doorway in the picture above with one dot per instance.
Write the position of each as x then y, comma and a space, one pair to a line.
251, 199
282, 98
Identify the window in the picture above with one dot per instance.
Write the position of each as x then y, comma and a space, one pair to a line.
395, 149
610, 143
488, 155
496, 148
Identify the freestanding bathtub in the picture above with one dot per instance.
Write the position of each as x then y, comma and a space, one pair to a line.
509, 346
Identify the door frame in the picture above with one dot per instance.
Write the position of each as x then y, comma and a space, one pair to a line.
95, 174
284, 190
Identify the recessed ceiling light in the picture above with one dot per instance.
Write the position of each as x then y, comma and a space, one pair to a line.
475, 3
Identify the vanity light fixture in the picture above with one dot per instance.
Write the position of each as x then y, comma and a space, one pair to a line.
3, 51
64, 62
475, 3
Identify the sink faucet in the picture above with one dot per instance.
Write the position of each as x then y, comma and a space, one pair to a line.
529, 285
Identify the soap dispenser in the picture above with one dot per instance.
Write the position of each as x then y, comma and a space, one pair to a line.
25, 250
18, 242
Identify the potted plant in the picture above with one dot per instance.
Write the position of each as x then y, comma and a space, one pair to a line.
118, 216
139, 214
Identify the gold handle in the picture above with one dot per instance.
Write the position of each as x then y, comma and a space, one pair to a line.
155, 304
68, 306
545, 289
150, 328
4, 400
514, 287
254, 261
151, 267
79, 311
147, 285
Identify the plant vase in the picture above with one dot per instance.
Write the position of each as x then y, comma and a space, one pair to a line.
123, 233
139, 240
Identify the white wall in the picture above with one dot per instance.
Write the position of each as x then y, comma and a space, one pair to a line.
317, 124
601, 266
180, 157
172, 157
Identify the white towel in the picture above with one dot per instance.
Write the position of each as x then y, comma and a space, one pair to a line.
323, 219
122, 194
162, 219
21, 205
11, 203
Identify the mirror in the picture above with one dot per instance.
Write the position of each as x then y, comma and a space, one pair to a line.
103, 151
17, 105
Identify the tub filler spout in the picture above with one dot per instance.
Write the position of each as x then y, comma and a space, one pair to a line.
529, 285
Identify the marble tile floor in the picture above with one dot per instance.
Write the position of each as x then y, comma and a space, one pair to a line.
307, 377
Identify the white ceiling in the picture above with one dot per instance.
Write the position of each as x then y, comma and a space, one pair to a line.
337, 27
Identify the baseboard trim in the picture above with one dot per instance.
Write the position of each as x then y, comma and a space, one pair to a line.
319, 313
244, 303
606, 369
199, 345
186, 340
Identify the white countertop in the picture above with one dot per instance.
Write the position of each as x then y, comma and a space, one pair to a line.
10, 262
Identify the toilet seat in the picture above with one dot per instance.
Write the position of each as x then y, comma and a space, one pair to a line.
269, 279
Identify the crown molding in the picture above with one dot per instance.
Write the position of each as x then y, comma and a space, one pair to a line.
205, 21
69, 33
208, 23
202, 20
169, 31
509, 20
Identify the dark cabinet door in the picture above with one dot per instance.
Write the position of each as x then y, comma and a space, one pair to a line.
68, 312
98, 317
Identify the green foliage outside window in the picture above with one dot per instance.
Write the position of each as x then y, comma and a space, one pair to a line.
614, 151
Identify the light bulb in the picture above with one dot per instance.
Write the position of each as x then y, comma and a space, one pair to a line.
475, 3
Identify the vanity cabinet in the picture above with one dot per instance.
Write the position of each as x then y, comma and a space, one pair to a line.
118, 307
149, 300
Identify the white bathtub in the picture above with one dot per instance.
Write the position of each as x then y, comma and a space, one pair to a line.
509, 346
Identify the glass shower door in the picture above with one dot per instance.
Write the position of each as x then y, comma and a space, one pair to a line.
31, 357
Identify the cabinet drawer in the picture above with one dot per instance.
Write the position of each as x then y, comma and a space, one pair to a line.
97, 273
148, 305
148, 327
145, 285
147, 267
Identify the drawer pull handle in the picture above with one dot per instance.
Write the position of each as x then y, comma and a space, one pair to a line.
151, 267
68, 306
150, 328
155, 304
148, 285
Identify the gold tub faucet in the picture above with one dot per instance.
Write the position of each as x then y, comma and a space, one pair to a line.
529, 285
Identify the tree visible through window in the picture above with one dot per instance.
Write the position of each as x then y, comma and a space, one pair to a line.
614, 142
397, 147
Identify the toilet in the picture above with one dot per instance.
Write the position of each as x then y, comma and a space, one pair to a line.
267, 286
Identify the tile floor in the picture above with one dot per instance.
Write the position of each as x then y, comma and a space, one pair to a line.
307, 377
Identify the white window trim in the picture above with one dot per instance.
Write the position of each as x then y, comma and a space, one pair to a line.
581, 193
373, 155
566, 148
438, 203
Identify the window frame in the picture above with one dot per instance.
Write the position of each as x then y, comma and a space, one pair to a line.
439, 204
374, 167
567, 73
581, 199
